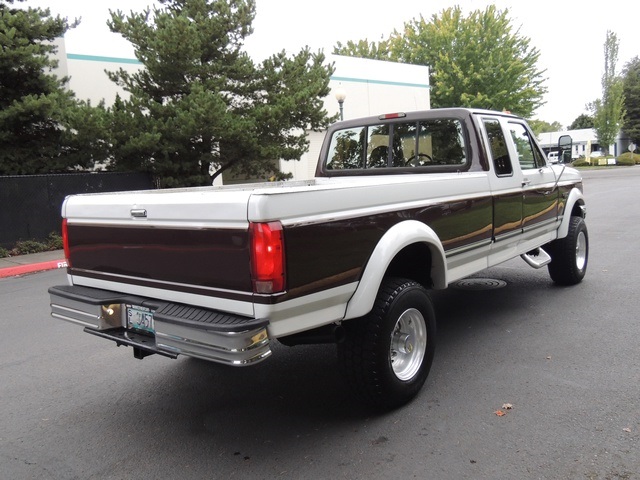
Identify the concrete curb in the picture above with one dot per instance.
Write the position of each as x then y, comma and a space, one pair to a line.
34, 267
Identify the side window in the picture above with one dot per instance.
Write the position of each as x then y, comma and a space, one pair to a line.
498, 147
346, 151
528, 154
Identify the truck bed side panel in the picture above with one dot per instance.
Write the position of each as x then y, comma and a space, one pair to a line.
330, 254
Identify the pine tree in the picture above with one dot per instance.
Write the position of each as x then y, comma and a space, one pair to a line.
200, 106
364, 49
39, 116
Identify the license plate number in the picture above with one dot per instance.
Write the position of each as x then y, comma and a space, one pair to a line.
140, 318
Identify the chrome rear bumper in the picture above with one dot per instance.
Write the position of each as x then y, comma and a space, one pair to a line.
178, 329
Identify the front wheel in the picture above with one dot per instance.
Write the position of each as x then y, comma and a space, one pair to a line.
570, 255
388, 353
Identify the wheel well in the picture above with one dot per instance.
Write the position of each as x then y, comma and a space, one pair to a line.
577, 210
413, 262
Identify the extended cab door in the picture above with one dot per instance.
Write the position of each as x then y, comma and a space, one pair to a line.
538, 180
506, 184
525, 200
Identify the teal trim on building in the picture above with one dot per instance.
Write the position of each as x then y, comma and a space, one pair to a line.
94, 58
133, 61
381, 82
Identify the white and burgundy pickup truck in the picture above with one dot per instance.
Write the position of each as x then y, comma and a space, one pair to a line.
400, 204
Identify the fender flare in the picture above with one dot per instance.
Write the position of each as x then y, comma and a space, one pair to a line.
575, 197
392, 242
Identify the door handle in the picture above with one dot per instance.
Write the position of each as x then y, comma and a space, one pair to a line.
525, 182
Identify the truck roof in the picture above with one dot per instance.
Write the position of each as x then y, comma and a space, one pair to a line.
456, 112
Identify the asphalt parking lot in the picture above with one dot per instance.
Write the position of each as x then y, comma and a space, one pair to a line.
566, 359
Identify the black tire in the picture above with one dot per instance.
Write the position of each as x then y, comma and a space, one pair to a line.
388, 369
570, 255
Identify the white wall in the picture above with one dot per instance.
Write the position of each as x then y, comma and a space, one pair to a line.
89, 79
372, 87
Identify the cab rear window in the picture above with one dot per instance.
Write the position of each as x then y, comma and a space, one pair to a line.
423, 144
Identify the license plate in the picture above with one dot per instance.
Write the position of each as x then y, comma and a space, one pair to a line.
140, 318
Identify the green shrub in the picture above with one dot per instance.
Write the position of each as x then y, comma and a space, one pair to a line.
54, 241
580, 162
30, 246
24, 247
628, 159
625, 162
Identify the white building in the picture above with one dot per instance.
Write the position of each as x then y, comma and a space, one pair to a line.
370, 87
584, 140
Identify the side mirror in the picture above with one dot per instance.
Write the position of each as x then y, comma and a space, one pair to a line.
564, 147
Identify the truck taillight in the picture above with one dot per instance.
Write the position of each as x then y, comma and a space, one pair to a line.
65, 240
267, 257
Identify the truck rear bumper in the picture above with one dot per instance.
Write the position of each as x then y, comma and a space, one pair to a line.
174, 329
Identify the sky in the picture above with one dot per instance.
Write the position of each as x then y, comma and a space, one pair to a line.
569, 34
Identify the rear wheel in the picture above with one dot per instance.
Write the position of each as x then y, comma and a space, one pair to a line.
388, 353
570, 255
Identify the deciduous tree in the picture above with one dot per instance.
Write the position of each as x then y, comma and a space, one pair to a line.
608, 111
540, 126
631, 92
582, 121
474, 61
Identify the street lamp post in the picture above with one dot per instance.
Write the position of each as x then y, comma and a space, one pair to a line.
340, 96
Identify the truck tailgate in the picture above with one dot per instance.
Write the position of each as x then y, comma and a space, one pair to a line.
189, 240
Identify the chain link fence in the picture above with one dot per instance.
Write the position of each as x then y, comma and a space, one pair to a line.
30, 205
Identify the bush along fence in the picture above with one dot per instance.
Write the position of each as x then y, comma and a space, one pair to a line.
31, 204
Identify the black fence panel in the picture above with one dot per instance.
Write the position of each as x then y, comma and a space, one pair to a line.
30, 205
